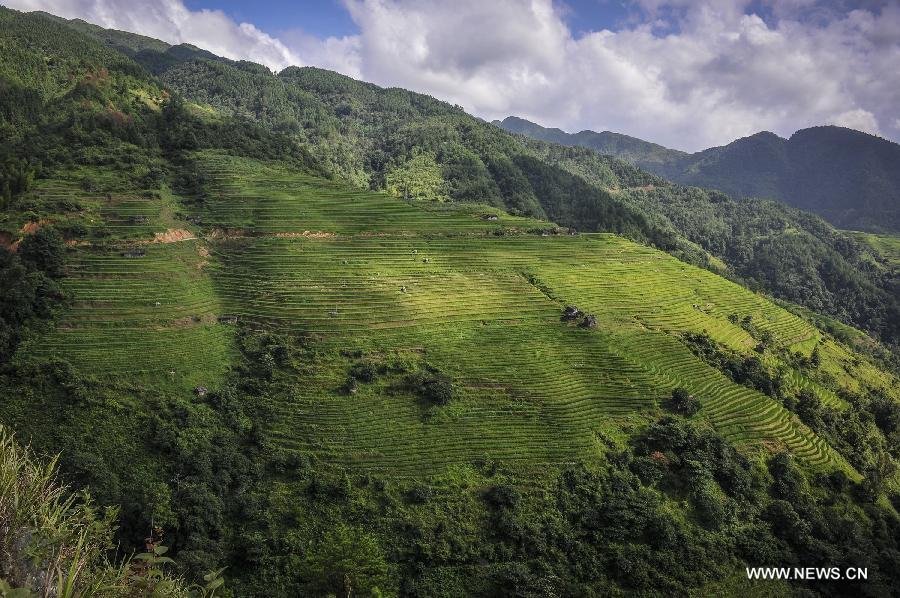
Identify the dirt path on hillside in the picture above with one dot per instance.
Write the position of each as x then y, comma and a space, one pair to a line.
308, 234
173, 235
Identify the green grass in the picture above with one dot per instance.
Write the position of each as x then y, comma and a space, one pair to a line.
407, 284
56, 541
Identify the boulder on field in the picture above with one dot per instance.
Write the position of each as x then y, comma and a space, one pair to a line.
201, 391
570, 313
589, 321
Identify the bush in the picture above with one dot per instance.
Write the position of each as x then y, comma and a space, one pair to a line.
364, 371
684, 402
346, 562
433, 386
502, 497
44, 250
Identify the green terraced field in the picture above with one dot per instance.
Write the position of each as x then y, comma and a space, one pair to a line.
154, 314
887, 247
258, 198
103, 216
473, 292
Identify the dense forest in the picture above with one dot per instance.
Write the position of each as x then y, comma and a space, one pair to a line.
668, 506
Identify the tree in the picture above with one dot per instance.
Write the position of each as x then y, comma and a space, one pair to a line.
815, 359
419, 178
684, 402
44, 250
346, 563
16, 176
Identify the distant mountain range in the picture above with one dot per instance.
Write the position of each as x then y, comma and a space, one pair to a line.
850, 178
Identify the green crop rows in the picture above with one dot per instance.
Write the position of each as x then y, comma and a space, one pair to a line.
142, 309
478, 297
261, 198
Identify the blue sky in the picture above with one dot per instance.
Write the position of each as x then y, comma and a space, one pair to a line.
326, 18
688, 74
322, 18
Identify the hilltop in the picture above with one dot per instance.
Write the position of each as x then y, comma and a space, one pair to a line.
848, 177
631, 149
350, 340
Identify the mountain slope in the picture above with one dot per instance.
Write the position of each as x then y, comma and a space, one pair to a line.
375, 137
848, 177
334, 390
631, 149
350, 306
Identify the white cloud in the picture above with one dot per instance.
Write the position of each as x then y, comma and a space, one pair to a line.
686, 73
708, 74
172, 22
861, 120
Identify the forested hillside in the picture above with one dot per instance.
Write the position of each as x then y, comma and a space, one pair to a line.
415, 145
646, 155
342, 340
850, 178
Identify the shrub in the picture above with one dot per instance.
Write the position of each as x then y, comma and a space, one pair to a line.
684, 402
364, 371
502, 497
44, 250
346, 562
433, 386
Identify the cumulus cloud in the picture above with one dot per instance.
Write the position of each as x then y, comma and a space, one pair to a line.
685, 73
172, 22
688, 74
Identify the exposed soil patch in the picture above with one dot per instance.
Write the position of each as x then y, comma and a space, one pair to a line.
173, 235
6, 240
29, 228
772, 446
194, 320
309, 234
228, 233
639, 188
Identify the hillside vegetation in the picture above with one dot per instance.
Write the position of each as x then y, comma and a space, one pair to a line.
54, 542
415, 145
849, 178
310, 358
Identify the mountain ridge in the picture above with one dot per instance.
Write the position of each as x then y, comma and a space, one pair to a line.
849, 177
347, 340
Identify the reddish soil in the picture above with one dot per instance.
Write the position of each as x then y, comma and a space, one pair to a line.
173, 235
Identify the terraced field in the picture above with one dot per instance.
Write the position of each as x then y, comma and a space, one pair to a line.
477, 294
256, 198
102, 216
886, 246
147, 310
474, 296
